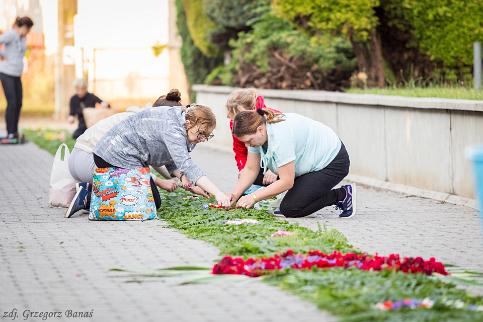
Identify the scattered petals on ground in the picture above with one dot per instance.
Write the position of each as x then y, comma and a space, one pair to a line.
241, 222
424, 304
282, 233
406, 303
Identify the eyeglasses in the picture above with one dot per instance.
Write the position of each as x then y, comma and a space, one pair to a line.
205, 137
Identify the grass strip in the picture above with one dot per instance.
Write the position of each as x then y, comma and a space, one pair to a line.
432, 91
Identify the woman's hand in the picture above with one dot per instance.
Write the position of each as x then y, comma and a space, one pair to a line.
199, 191
246, 202
168, 185
185, 183
269, 178
222, 200
233, 199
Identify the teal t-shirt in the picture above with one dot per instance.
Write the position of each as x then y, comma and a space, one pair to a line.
311, 144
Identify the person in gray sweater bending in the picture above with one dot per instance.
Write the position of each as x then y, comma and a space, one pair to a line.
161, 136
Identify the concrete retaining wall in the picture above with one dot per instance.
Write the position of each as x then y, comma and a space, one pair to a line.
416, 142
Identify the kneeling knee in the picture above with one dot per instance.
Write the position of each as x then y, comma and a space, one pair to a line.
290, 211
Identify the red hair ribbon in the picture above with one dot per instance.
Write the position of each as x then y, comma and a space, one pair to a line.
260, 104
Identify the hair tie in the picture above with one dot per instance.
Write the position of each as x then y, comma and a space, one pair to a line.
260, 103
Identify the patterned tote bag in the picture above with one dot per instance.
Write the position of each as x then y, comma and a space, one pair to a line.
122, 194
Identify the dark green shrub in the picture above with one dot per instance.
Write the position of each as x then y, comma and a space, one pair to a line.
274, 54
196, 64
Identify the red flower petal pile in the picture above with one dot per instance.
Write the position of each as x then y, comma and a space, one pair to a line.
258, 266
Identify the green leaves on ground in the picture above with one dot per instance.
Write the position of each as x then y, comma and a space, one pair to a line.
244, 240
349, 293
353, 293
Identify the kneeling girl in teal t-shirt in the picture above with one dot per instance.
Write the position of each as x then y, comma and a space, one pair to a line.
307, 155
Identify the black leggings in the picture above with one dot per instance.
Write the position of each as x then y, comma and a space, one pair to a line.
101, 163
313, 191
12, 87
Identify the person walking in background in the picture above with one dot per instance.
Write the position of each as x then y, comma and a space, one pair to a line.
78, 102
11, 68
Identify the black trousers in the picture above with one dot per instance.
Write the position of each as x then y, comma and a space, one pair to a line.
313, 191
101, 163
12, 87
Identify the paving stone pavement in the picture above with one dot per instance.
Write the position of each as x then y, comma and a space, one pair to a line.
49, 263
386, 222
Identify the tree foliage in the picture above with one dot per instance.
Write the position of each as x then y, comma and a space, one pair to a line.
236, 14
447, 29
232, 17
197, 65
274, 54
199, 26
315, 44
355, 19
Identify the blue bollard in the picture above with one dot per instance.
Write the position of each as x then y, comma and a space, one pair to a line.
475, 154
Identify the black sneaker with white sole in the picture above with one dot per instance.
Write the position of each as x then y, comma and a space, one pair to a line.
79, 202
348, 205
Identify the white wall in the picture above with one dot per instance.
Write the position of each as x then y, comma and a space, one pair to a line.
417, 142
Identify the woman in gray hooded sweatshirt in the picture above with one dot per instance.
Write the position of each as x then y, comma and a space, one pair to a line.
156, 137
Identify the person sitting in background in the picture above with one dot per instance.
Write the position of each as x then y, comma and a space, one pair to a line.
78, 102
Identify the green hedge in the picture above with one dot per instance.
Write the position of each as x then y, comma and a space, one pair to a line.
446, 30
274, 54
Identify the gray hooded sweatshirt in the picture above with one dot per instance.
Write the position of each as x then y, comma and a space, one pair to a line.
153, 137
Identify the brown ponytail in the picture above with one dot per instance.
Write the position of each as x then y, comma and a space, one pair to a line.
173, 98
247, 122
23, 21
